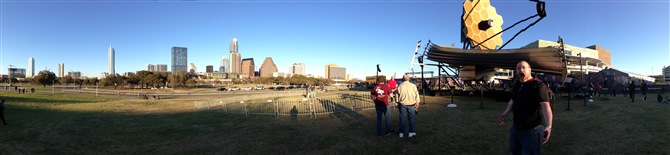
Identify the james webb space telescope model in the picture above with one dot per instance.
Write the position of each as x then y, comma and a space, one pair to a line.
481, 35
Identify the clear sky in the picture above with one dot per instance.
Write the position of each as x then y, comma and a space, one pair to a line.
354, 34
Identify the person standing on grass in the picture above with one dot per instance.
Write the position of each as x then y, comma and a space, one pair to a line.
408, 99
643, 89
530, 106
393, 85
2, 112
631, 90
380, 95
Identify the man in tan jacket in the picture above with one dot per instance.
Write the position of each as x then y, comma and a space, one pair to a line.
408, 99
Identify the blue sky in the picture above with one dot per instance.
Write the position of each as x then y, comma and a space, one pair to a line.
354, 34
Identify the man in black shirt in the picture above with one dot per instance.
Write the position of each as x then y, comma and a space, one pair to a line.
531, 109
631, 91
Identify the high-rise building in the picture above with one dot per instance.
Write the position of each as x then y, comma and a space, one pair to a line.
225, 65
61, 70
248, 67
267, 68
151, 67
16, 72
157, 67
161, 67
235, 57
179, 59
209, 69
336, 73
31, 67
110, 64
297, 68
74, 74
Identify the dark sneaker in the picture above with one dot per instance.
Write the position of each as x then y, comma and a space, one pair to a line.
389, 132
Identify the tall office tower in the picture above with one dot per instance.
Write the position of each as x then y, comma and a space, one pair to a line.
110, 51
297, 68
179, 59
31, 67
267, 68
248, 67
235, 57
61, 70
225, 65
335, 72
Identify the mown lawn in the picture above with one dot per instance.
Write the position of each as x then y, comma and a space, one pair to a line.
70, 123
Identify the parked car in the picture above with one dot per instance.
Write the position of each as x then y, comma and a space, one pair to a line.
280, 88
246, 88
234, 89
260, 87
272, 88
222, 89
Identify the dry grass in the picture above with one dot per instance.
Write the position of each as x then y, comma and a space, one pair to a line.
70, 123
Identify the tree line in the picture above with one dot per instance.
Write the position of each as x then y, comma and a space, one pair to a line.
146, 79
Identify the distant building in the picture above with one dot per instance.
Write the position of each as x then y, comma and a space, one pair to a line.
666, 73
297, 68
235, 57
267, 68
128, 74
61, 70
16, 72
225, 65
157, 67
74, 74
209, 69
31, 67
179, 59
110, 64
282, 74
336, 73
248, 67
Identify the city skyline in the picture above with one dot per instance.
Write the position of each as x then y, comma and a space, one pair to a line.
355, 35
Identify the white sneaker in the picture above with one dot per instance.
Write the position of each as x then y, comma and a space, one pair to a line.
401, 135
412, 134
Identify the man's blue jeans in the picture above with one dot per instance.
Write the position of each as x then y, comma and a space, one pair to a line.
525, 142
405, 112
383, 110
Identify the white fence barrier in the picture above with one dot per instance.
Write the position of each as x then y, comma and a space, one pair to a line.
278, 106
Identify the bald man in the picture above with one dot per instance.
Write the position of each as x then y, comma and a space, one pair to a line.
531, 109
408, 99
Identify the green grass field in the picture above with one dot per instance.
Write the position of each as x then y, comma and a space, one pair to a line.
71, 123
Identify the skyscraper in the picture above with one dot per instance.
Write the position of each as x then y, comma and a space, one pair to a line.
61, 70
225, 65
297, 68
209, 69
31, 67
110, 51
248, 67
235, 57
336, 73
179, 59
267, 68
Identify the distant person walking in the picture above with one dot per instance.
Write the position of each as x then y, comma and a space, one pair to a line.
531, 108
643, 89
380, 95
2, 112
631, 90
408, 97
